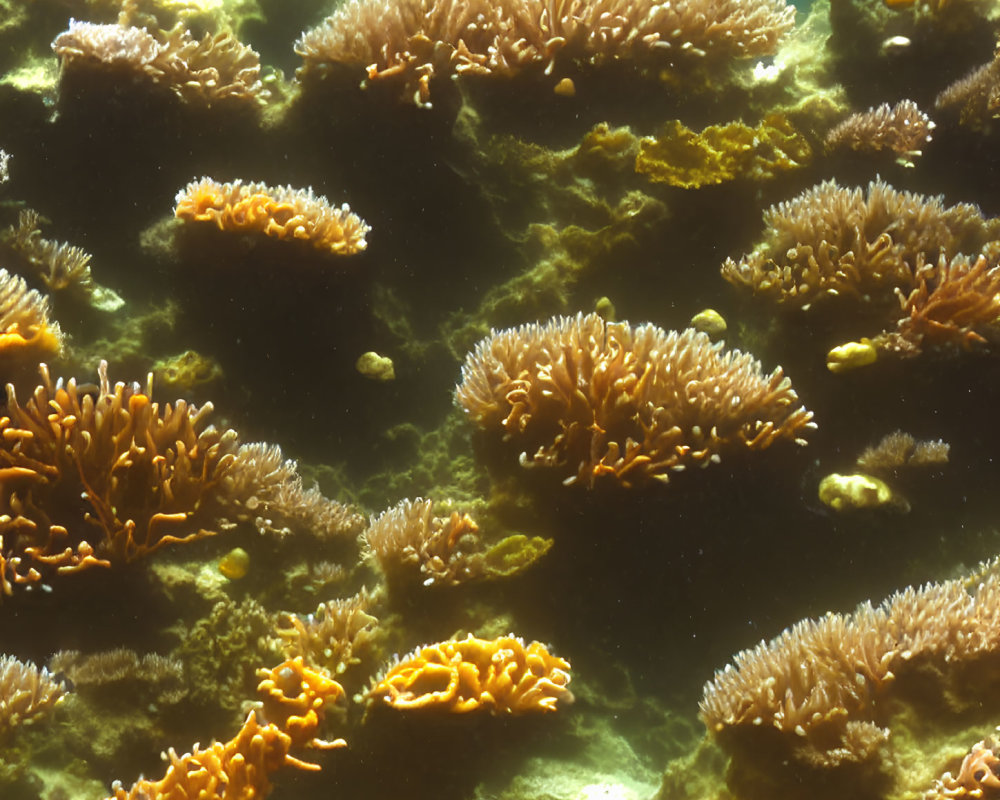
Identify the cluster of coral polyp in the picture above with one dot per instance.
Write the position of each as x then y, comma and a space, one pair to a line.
824, 684
837, 242
281, 212
294, 698
592, 398
418, 39
102, 476
501, 676
203, 71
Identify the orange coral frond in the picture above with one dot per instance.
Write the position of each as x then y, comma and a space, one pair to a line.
502, 676
279, 212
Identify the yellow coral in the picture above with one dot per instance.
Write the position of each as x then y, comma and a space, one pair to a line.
851, 355
849, 492
281, 212
502, 676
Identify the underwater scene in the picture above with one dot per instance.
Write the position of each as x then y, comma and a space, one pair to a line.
499, 399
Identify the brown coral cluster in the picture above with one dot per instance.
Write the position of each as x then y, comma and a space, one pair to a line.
502, 676
27, 693
902, 129
281, 212
833, 241
293, 704
899, 450
201, 71
954, 306
975, 99
595, 399
821, 675
60, 267
27, 335
419, 39
339, 635
408, 538
105, 476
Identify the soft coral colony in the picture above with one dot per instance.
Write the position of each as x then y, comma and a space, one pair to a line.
99, 478
413, 41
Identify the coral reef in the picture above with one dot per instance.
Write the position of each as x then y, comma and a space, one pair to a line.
27, 693
834, 242
680, 157
598, 399
281, 212
420, 39
502, 676
902, 129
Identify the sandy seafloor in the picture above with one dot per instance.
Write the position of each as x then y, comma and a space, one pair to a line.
482, 216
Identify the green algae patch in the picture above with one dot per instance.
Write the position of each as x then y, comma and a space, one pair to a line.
720, 153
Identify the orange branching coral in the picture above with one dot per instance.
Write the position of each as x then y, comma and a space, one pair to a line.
502, 676
902, 129
281, 212
418, 39
339, 635
820, 675
445, 550
294, 698
204, 71
27, 693
104, 476
836, 242
976, 97
952, 305
27, 335
635, 403
978, 777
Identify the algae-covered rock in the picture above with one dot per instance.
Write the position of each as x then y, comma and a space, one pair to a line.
681, 157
